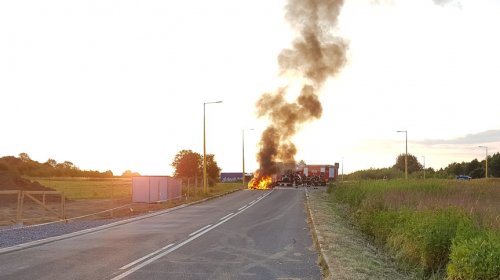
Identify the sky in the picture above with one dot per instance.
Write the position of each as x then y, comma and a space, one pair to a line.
120, 85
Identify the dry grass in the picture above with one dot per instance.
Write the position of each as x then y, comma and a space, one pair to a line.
479, 198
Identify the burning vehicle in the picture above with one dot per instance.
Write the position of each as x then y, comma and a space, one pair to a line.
307, 176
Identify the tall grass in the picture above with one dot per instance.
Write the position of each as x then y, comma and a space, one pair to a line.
431, 224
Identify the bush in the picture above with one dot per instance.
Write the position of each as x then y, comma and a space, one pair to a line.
424, 239
475, 257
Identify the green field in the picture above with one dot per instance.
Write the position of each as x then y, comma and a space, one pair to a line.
443, 228
89, 188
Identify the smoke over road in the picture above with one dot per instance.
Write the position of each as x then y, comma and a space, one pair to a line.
316, 54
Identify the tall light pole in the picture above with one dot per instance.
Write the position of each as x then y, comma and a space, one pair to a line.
406, 152
486, 176
424, 166
205, 190
243, 157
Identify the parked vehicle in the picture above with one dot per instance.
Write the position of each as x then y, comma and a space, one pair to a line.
463, 177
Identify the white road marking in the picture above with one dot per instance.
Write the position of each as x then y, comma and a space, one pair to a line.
241, 208
146, 256
193, 233
228, 215
162, 254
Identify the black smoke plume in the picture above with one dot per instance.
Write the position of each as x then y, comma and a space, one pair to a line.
316, 54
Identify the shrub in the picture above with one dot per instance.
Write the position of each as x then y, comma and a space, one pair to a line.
424, 238
475, 257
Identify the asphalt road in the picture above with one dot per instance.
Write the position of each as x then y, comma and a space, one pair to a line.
244, 235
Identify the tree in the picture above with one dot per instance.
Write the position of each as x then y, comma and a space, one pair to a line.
477, 173
24, 157
413, 164
494, 165
187, 164
51, 162
213, 170
129, 173
456, 168
471, 166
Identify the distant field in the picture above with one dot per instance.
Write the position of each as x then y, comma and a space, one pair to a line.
445, 228
89, 188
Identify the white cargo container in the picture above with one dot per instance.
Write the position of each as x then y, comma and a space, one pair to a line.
151, 189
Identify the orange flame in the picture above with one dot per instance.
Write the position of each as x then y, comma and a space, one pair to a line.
260, 183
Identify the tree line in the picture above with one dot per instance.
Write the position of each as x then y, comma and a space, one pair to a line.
474, 169
188, 165
25, 166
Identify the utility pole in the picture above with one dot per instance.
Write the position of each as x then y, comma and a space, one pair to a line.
406, 152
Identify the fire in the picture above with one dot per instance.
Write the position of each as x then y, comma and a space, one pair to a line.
260, 183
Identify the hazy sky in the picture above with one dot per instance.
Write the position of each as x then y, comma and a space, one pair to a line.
121, 84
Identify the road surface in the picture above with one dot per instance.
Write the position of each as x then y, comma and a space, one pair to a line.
244, 235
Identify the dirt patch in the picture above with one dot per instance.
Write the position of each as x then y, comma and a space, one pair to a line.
11, 181
348, 253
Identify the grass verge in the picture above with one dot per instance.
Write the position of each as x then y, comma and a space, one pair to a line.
441, 228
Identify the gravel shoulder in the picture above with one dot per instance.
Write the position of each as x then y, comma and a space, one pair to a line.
346, 252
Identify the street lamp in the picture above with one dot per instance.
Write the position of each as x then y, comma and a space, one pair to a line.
424, 166
486, 176
406, 153
205, 148
243, 157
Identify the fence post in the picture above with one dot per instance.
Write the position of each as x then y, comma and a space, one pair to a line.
43, 202
63, 207
18, 212
112, 201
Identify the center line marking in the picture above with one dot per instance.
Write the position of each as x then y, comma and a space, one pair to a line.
146, 256
226, 216
193, 233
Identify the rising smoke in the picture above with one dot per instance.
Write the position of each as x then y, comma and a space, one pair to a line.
316, 55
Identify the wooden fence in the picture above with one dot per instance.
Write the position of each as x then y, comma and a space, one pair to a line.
31, 196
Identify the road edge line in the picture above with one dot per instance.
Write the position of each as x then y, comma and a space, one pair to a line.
324, 261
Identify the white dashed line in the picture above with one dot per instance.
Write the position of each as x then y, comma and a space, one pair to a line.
193, 233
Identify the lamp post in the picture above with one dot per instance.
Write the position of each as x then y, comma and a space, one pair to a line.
205, 148
486, 176
406, 152
243, 155
424, 166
